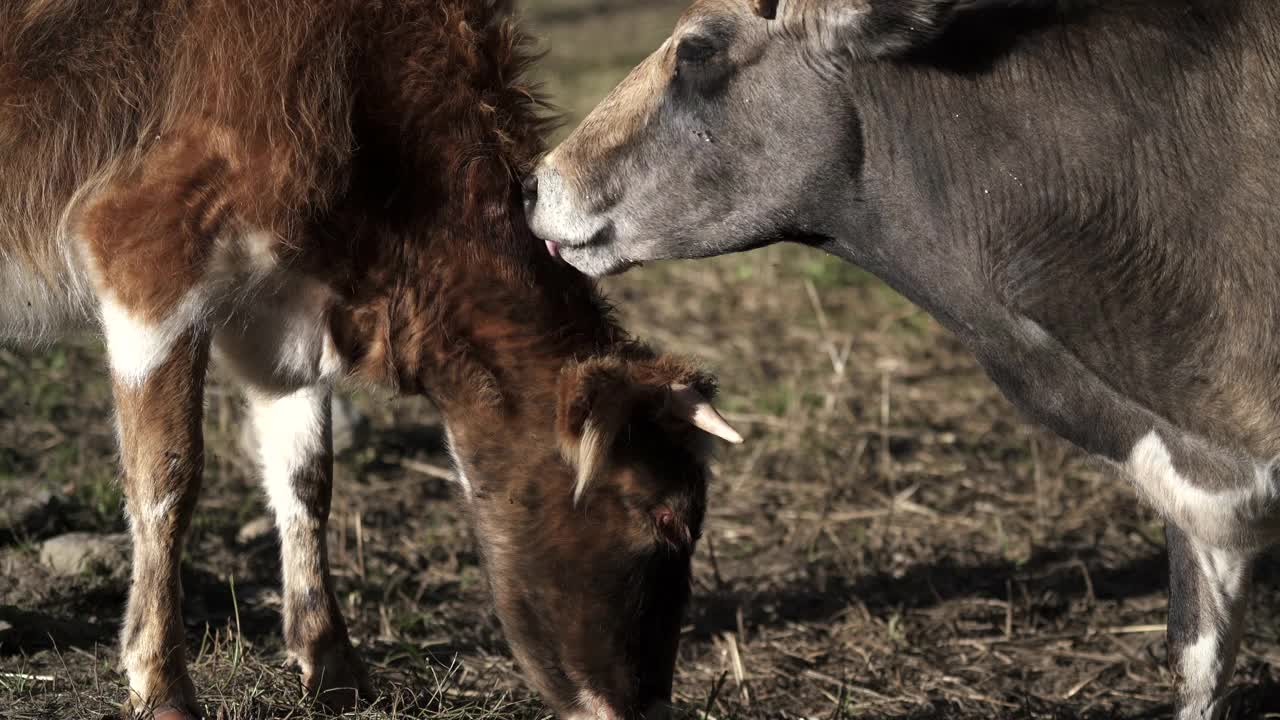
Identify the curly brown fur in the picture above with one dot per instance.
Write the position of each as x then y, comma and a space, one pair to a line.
329, 189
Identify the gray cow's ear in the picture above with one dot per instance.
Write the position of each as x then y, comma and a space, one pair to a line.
865, 28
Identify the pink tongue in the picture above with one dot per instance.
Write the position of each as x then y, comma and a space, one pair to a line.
553, 248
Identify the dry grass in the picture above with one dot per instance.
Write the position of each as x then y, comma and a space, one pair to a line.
892, 542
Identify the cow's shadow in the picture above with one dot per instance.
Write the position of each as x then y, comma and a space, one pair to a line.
1048, 571
30, 631
1260, 700
717, 610
1052, 573
926, 586
209, 601
213, 601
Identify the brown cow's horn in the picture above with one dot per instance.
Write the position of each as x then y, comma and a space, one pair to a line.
766, 8
690, 405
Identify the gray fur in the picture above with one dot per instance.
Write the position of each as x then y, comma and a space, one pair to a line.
1084, 192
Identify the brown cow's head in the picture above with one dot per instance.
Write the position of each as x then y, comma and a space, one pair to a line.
737, 132
588, 544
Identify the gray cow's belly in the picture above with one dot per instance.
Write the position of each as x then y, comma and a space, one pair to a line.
1217, 494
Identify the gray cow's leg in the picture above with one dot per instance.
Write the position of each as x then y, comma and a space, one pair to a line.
1207, 592
296, 451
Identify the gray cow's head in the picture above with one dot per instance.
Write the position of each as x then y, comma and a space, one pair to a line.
737, 132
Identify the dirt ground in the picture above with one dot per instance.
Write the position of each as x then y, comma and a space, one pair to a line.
892, 542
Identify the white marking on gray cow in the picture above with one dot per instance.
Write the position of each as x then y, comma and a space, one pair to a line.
1221, 587
1218, 518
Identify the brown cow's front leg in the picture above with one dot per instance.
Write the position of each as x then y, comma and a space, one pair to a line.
149, 241
159, 406
296, 450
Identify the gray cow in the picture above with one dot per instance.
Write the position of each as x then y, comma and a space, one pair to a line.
1085, 192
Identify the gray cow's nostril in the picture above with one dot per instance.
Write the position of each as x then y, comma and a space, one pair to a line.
530, 187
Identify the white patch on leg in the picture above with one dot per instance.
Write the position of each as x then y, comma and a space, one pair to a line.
290, 436
154, 512
459, 470
135, 348
1206, 664
1225, 527
1227, 573
306, 346
1218, 518
1200, 665
283, 342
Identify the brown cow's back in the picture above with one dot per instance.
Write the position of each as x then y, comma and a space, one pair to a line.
58, 94
90, 88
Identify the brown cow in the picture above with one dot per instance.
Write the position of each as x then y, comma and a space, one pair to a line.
314, 191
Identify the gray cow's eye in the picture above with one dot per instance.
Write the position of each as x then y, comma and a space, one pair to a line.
695, 50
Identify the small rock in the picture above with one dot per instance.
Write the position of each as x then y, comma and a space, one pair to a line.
30, 514
78, 552
255, 529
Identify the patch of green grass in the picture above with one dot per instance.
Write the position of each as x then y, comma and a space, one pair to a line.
97, 490
55, 382
775, 399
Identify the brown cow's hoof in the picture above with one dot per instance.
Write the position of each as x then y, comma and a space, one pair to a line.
179, 706
166, 711
338, 681
172, 712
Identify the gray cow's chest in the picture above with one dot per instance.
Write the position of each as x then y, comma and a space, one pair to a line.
1142, 413
1218, 494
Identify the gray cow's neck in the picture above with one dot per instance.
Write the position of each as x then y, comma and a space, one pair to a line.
922, 207
1099, 185
1044, 169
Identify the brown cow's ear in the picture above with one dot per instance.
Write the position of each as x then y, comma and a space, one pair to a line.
359, 335
693, 406
595, 400
687, 393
